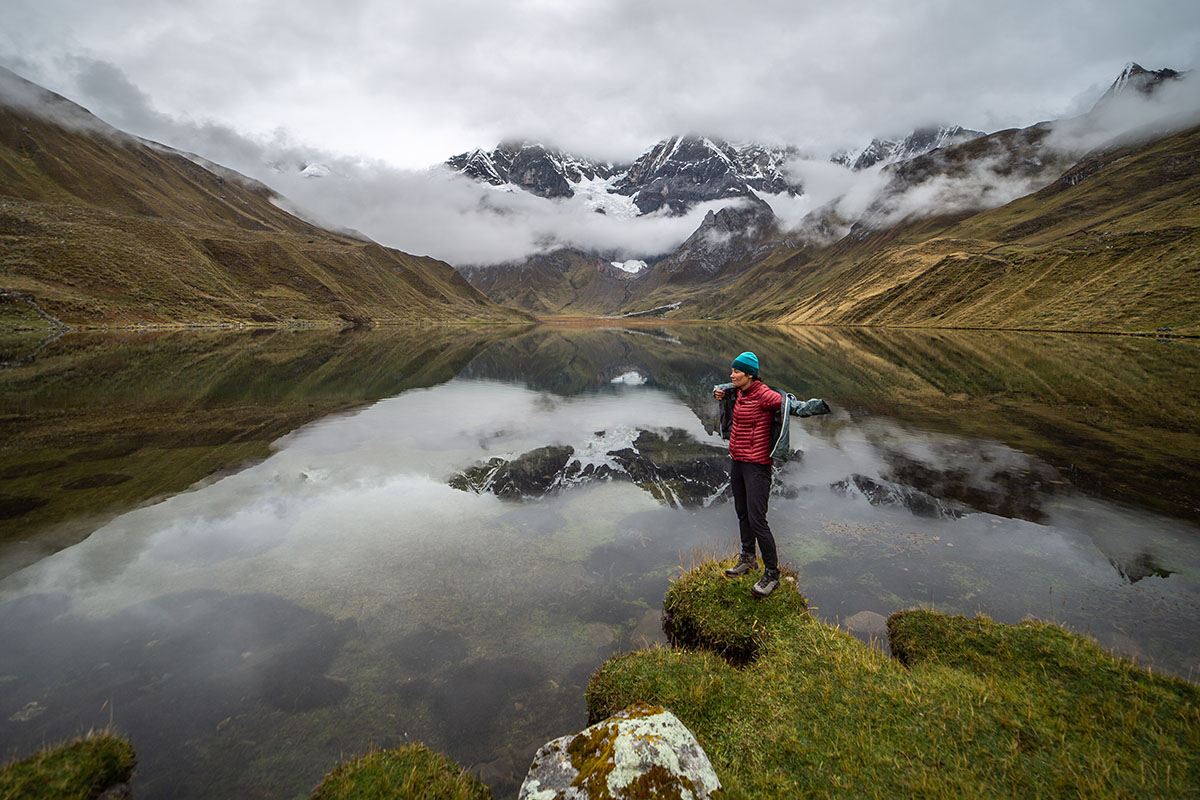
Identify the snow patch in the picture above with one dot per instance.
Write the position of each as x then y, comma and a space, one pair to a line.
316, 171
631, 378
595, 452
596, 193
633, 266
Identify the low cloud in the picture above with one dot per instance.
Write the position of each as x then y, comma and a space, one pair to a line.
426, 212
837, 198
1132, 117
436, 212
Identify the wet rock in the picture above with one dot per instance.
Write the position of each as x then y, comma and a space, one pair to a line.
866, 622
429, 648
885, 493
470, 701
648, 631
643, 751
601, 635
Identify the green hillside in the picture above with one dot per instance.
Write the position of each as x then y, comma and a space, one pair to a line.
1112, 245
99, 228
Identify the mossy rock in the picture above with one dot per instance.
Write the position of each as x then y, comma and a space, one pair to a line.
641, 752
706, 609
78, 770
788, 706
411, 772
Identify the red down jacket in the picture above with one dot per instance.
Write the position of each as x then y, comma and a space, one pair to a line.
753, 413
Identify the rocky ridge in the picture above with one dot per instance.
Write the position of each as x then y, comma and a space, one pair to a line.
882, 151
674, 175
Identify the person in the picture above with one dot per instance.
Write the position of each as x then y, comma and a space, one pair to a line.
754, 412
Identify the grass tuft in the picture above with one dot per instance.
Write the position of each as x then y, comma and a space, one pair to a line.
410, 772
81, 769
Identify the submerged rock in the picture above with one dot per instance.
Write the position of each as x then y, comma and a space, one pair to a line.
866, 622
643, 751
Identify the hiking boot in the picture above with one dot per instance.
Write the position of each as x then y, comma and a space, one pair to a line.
745, 563
766, 584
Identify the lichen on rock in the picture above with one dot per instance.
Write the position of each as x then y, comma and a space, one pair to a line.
641, 752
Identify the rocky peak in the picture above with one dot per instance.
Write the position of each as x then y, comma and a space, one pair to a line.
1135, 78
729, 238
681, 171
920, 141
489, 167
539, 170
764, 168
674, 174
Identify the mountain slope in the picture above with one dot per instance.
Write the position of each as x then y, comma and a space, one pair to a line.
1110, 245
563, 281
101, 228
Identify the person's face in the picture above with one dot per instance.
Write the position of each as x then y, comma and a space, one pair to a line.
739, 379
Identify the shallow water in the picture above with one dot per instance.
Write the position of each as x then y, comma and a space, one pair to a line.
244, 551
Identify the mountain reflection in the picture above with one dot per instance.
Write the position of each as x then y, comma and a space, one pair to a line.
375, 537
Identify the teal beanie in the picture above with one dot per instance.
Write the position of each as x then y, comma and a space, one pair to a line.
747, 362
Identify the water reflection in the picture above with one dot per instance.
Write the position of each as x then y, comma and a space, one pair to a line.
334, 588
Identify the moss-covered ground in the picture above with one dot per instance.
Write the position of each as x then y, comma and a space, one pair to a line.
964, 708
78, 770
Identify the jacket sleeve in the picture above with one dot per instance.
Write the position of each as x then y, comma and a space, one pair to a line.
807, 408
726, 418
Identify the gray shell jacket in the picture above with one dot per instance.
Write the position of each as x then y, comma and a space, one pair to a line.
781, 450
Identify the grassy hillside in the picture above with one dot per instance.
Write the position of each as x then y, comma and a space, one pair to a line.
1112, 245
98, 228
787, 706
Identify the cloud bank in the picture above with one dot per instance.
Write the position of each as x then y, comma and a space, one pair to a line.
876, 198
411, 83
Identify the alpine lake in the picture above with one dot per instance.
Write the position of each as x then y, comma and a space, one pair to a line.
260, 553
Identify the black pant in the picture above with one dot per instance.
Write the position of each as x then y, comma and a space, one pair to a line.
751, 485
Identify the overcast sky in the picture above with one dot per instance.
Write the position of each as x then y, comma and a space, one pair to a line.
416, 81
380, 91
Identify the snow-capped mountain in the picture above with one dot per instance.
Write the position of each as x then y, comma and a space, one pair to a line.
890, 151
674, 174
537, 169
682, 171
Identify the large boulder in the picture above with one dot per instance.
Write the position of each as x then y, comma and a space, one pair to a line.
643, 751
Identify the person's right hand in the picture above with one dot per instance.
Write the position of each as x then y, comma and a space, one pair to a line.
718, 393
